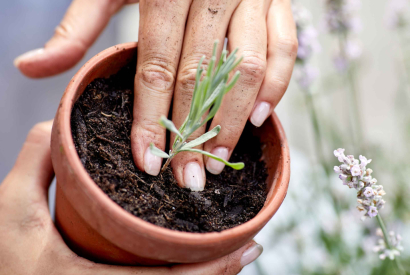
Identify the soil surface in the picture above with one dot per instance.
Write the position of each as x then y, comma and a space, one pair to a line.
101, 126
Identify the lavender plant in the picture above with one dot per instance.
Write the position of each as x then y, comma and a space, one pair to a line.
342, 20
307, 34
386, 251
397, 14
206, 100
305, 73
369, 198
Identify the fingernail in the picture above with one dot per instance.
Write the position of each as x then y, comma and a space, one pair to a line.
213, 166
251, 254
193, 178
260, 114
27, 55
152, 163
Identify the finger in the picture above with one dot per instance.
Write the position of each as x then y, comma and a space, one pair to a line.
282, 51
159, 51
251, 39
207, 22
80, 27
32, 173
230, 264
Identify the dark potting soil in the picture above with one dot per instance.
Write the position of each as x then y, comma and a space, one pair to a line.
101, 126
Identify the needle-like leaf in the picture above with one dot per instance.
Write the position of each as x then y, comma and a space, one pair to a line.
169, 125
157, 152
236, 166
205, 137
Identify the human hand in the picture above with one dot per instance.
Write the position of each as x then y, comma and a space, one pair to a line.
31, 244
173, 36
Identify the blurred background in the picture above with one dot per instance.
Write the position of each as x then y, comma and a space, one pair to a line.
350, 89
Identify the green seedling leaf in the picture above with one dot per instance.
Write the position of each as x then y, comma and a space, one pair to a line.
221, 61
157, 152
236, 166
208, 103
169, 125
214, 109
209, 90
205, 137
233, 82
199, 71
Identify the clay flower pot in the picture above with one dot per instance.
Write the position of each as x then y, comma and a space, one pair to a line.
97, 228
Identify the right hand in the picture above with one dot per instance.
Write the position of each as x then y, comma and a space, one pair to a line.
30, 243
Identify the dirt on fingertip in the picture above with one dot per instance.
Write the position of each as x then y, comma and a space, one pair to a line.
101, 126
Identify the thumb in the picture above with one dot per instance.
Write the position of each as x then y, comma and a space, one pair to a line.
80, 27
33, 171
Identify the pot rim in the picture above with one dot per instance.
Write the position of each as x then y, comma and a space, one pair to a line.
133, 223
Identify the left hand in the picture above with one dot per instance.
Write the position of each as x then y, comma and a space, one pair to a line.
30, 243
173, 37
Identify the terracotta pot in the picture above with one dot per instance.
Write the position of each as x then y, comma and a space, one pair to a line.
97, 228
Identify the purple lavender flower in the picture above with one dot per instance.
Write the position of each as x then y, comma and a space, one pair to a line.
356, 171
395, 243
397, 13
340, 154
372, 211
352, 50
305, 74
355, 175
342, 18
368, 192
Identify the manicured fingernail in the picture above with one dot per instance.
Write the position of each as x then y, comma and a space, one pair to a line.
260, 114
152, 163
213, 166
251, 254
27, 55
193, 178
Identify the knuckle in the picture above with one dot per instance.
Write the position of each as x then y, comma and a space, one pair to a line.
65, 30
187, 78
253, 67
157, 75
187, 74
288, 45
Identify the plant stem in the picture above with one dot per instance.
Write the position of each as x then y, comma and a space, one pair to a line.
355, 117
166, 164
400, 269
356, 107
402, 43
316, 129
319, 144
176, 147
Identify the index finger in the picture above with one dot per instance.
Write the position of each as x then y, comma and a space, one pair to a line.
80, 27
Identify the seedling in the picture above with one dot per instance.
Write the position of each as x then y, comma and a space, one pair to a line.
206, 100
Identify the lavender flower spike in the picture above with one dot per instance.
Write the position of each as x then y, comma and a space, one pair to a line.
355, 174
307, 34
395, 243
397, 14
342, 18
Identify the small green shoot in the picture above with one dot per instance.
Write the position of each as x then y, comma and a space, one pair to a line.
206, 100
